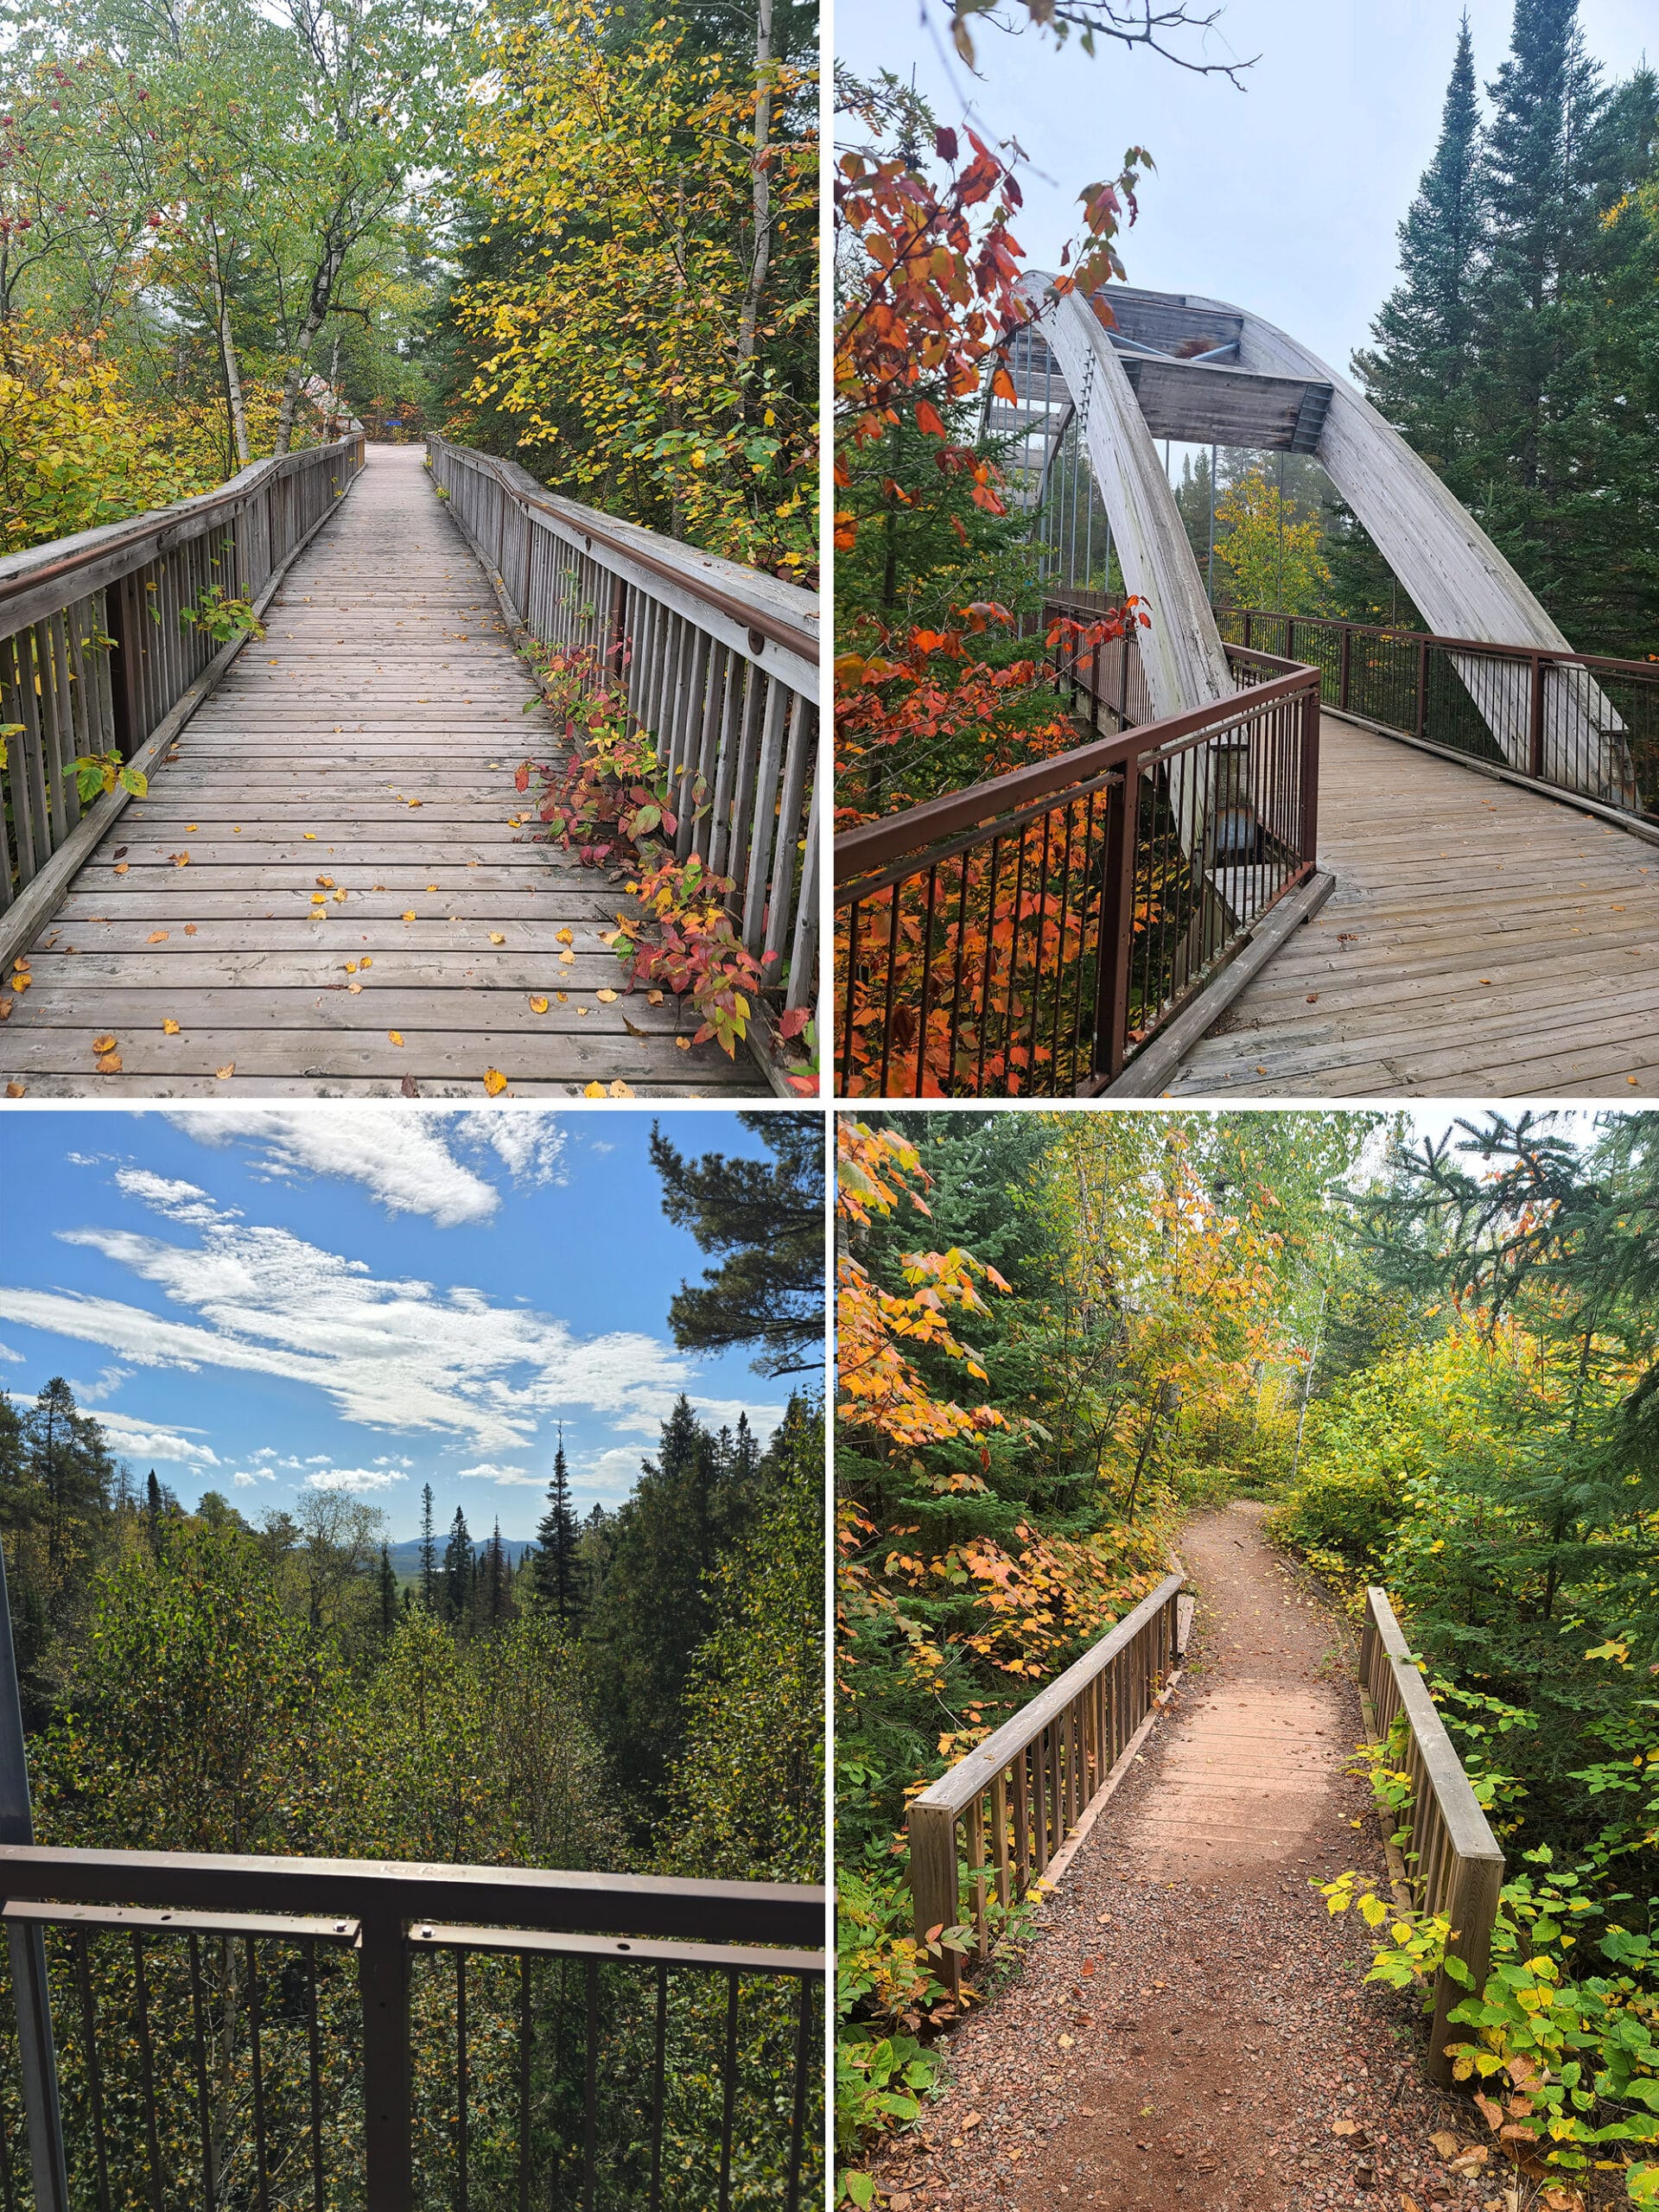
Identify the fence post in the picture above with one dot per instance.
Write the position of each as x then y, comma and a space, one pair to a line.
1116, 916
1347, 661
934, 1878
37, 2053
1473, 1911
1535, 721
1422, 686
1310, 775
122, 612
388, 2137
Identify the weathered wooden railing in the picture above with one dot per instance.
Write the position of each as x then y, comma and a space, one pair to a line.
1023, 937
721, 665
1025, 1788
298, 2032
1453, 1861
1577, 722
103, 649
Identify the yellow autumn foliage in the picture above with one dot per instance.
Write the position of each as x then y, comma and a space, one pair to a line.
623, 171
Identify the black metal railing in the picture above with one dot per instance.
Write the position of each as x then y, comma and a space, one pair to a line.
1578, 723
1024, 938
291, 2034
106, 640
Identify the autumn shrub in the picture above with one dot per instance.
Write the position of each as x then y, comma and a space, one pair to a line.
80, 447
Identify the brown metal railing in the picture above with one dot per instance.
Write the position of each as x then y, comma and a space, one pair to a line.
721, 665
1453, 1864
292, 2033
1025, 936
100, 652
1013, 1802
1578, 723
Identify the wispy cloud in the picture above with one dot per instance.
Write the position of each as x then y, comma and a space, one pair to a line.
178, 1200
486, 1470
395, 1355
172, 1444
408, 1158
360, 1480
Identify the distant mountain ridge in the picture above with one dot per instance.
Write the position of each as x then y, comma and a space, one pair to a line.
406, 1557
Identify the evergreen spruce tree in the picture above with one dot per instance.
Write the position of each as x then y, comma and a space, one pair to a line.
153, 1513
493, 1599
1418, 371
558, 1536
388, 1593
458, 1568
428, 1554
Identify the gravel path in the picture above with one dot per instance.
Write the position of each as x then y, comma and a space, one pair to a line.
1191, 2022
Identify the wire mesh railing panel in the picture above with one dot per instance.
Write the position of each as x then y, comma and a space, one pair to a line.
974, 971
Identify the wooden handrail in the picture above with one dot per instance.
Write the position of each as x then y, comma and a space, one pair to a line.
1454, 1861
1041, 1770
720, 664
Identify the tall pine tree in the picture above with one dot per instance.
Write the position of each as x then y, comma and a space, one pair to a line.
1418, 371
458, 1570
558, 1584
428, 1554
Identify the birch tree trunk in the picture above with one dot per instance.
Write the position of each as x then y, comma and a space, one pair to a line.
762, 253
316, 311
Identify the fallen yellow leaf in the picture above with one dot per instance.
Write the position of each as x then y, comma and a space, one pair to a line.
538, 1005
339, 897
394, 1037
109, 1063
190, 829
415, 802
103, 1044
226, 1071
653, 998
684, 1043
14, 1090
5, 1009
563, 997
324, 882
595, 1090
180, 860
121, 867
351, 967
189, 929
169, 1026
409, 916
497, 938
605, 997
353, 987
568, 959
494, 1081
620, 1090
367, 961
311, 836
157, 936
565, 937
317, 898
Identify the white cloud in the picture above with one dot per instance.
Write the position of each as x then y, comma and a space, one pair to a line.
395, 1355
249, 1476
384, 1460
612, 1474
353, 1478
487, 1471
6, 1352
179, 1201
531, 1142
109, 1381
401, 1158
142, 1439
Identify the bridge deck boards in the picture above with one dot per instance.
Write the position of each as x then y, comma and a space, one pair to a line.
385, 676
1481, 940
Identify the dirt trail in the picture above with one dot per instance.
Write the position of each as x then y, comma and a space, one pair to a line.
1190, 2020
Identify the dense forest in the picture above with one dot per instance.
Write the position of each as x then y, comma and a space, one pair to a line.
583, 237
1436, 1361
643, 1694
1518, 352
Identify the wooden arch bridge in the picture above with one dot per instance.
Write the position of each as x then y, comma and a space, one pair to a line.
332, 887
1466, 819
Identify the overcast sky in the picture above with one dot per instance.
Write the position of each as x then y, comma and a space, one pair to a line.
361, 1297
1283, 197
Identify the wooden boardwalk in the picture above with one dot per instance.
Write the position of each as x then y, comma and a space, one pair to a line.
1482, 941
330, 888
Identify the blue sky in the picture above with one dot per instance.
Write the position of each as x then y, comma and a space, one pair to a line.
1283, 197
254, 1301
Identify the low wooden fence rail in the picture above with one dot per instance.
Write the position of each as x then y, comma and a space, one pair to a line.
1025, 1788
298, 2032
101, 651
1025, 936
1577, 722
1453, 1864
721, 665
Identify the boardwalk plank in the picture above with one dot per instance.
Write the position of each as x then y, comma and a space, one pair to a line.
1481, 940
385, 676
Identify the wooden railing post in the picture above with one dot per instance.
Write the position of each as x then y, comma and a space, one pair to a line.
1423, 686
1473, 1911
1110, 1042
934, 1887
1310, 774
1345, 668
1535, 719
388, 2135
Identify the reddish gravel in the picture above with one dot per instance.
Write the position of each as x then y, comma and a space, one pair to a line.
1187, 2037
